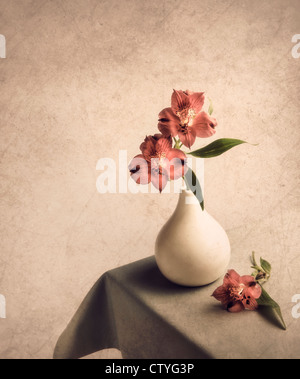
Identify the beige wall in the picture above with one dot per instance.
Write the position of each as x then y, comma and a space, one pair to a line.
84, 79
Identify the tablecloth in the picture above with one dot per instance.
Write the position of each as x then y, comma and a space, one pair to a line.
135, 309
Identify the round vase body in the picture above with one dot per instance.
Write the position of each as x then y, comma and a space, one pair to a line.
192, 249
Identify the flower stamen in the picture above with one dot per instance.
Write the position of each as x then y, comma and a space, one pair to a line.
186, 116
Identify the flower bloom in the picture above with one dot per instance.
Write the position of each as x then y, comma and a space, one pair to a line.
186, 119
238, 292
158, 163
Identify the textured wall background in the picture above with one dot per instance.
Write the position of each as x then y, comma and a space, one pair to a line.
84, 79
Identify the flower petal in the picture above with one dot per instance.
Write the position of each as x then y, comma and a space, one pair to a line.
232, 278
157, 136
188, 137
250, 303
253, 289
140, 170
248, 280
159, 180
176, 153
163, 145
204, 125
178, 163
221, 294
235, 307
197, 101
148, 147
179, 101
168, 123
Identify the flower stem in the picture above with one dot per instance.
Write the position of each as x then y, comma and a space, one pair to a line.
177, 144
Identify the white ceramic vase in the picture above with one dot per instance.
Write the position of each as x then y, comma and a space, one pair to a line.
192, 249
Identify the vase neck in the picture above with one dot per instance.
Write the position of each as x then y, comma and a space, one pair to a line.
188, 198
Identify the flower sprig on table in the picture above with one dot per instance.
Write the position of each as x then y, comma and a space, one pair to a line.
238, 293
162, 158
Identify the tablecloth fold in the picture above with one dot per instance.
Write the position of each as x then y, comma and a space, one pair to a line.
126, 310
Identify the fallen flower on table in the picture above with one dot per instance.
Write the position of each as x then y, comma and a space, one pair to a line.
246, 292
238, 292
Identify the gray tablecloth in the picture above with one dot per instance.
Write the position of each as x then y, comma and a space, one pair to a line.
136, 310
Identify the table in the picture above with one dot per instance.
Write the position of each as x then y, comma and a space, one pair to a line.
136, 310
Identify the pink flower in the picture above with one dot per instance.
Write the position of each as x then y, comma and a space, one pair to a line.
158, 163
238, 292
186, 119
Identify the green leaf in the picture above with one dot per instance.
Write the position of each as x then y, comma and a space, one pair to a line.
216, 148
193, 184
266, 266
266, 301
